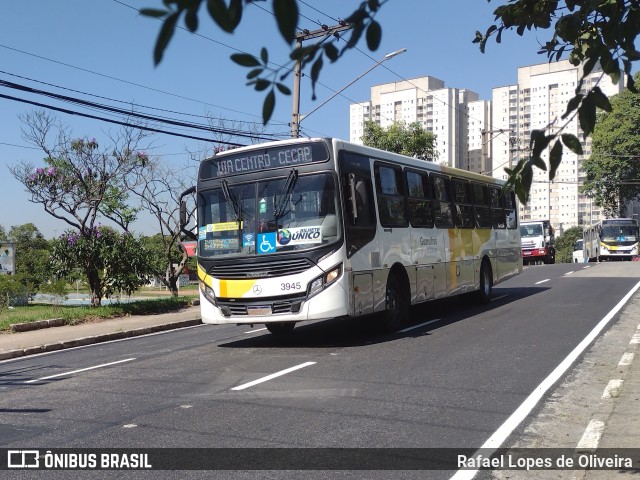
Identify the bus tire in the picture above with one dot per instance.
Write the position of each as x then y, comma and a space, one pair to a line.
280, 328
396, 305
486, 283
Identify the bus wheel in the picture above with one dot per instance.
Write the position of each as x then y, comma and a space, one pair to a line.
397, 306
486, 283
280, 328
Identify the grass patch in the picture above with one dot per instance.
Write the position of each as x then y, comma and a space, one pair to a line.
79, 314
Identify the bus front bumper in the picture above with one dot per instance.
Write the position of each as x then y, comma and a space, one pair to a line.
329, 303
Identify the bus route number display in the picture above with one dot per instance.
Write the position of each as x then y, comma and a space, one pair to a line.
265, 159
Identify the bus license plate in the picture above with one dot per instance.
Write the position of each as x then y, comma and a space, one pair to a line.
259, 311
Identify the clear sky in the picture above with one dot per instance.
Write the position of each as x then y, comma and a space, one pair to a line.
103, 48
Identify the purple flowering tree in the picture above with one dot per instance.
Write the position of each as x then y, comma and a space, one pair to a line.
83, 184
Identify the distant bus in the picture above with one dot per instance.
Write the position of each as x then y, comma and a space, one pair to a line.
611, 239
312, 229
578, 251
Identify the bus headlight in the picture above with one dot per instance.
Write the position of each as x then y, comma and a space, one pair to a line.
207, 291
324, 281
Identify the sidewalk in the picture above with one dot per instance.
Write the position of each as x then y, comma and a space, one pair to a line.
14, 345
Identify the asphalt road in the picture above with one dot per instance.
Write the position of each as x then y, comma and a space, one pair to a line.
450, 380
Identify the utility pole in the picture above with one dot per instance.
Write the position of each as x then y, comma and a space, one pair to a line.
297, 69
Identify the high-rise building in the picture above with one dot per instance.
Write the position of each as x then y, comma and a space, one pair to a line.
536, 102
456, 117
487, 136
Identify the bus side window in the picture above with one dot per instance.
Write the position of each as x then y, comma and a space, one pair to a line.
362, 229
442, 205
420, 203
511, 217
392, 203
463, 204
497, 209
482, 206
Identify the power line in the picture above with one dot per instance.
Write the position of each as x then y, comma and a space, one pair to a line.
126, 81
119, 101
129, 113
117, 122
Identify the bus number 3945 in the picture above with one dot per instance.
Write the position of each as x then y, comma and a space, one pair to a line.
290, 286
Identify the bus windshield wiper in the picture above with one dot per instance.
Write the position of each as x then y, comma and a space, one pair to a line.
231, 198
237, 208
279, 209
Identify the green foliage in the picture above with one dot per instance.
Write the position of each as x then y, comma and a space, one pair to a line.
32, 256
598, 32
411, 140
113, 263
262, 76
11, 287
613, 169
564, 244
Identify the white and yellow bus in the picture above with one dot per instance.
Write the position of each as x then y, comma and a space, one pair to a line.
312, 229
611, 239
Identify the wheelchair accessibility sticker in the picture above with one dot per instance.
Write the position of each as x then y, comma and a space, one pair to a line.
266, 243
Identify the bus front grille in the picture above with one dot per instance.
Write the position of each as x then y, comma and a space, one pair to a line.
274, 268
239, 308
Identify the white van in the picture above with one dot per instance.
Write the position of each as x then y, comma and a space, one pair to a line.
578, 255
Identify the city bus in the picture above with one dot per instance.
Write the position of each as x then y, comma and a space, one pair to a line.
611, 239
312, 229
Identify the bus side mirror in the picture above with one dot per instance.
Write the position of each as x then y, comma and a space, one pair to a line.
183, 213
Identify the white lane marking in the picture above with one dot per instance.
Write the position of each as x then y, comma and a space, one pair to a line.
256, 330
586, 267
80, 370
591, 436
635, 339
569, 273
612, 389
420, 325
626, 359
502, 433
542, 281
273, 375
64, 350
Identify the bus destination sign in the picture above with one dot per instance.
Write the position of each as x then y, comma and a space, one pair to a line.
264, 159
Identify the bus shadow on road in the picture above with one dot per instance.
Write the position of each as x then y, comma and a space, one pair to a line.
363, 331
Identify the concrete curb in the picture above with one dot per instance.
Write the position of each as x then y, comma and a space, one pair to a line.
26, 327
106, 337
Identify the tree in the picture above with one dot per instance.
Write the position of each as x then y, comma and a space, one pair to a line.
411, 140
598, 32
82, 184
32, 256
3, 234
263, 76
613, 169
158, 188
565, 242
112, 262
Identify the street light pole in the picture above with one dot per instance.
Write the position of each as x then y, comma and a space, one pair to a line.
386, 57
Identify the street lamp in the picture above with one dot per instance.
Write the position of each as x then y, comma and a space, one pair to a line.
297, 118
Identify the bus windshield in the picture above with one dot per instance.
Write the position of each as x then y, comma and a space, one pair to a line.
268, 216
619, 233
530, 231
